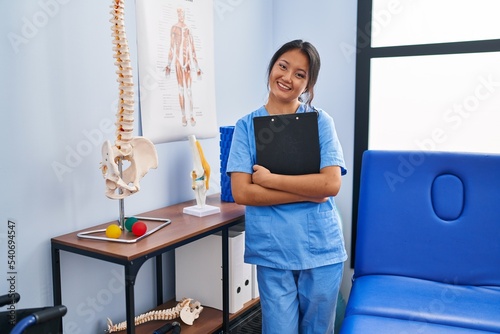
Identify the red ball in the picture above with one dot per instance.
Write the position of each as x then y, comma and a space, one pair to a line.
139, 228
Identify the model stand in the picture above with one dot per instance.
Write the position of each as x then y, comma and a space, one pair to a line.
201, 211
121, 222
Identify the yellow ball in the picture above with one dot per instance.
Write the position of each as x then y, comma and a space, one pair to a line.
113, 231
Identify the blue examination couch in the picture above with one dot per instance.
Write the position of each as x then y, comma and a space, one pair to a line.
427, 256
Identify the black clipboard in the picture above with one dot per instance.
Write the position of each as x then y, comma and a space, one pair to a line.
288, 144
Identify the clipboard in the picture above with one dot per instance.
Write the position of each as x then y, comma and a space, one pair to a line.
288, 144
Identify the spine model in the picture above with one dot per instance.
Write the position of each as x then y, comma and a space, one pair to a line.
139, 151
125, 114
187, 309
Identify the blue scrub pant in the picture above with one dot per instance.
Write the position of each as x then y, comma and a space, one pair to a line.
299, 301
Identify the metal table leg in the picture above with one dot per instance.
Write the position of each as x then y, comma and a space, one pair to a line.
225, 280
131, 270
159, 280
56, 279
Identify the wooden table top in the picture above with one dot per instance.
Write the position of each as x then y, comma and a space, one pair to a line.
181, 228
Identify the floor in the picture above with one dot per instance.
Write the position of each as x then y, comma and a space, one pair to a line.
250, 324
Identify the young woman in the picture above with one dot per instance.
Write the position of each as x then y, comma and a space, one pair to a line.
293, 232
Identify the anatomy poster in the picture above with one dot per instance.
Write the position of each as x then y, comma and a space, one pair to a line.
176, 69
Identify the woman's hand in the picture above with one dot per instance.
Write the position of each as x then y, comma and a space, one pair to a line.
326, 183
263, 177
260, 175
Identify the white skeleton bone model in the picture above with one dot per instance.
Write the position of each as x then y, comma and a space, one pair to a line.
187, 309
140, 152
200, 175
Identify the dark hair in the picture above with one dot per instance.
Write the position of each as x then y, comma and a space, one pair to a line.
314, 63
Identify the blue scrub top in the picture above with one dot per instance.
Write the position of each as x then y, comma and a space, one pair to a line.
293, 236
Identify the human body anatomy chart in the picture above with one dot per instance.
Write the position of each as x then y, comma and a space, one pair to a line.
176, 69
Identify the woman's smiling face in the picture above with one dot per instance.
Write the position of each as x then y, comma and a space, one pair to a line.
289, 77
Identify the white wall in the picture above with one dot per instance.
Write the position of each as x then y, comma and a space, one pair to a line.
58, 91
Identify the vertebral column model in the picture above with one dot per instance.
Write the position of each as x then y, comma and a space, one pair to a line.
140, 152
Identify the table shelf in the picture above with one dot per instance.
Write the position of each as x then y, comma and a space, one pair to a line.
182, 230
210, 320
